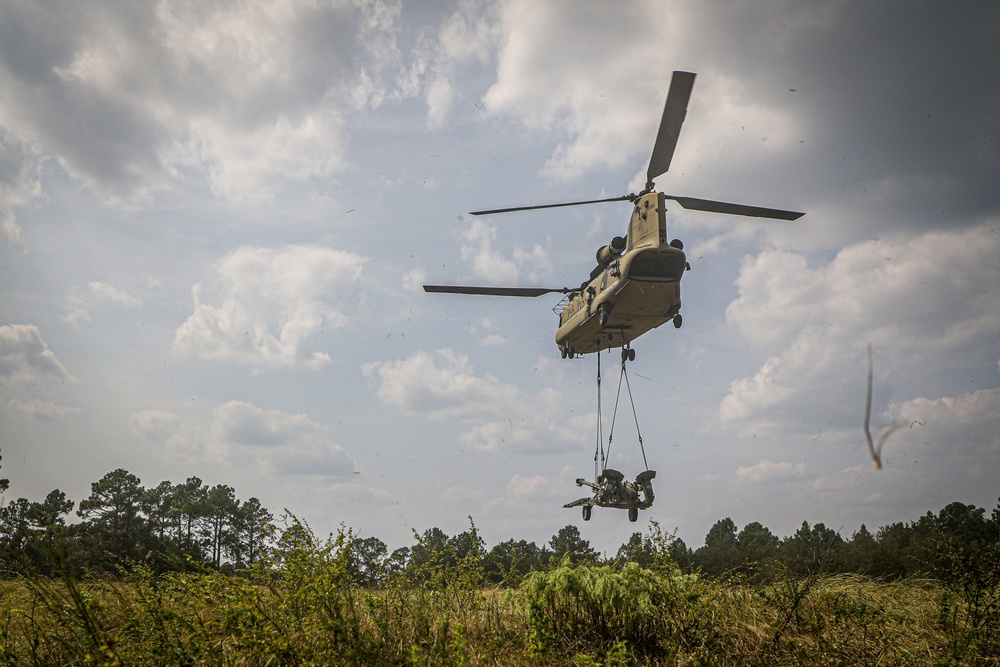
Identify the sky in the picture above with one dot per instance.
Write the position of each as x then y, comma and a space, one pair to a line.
216, 217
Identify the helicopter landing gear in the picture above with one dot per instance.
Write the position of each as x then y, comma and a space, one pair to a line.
633, 514
567, 351
628, 354
678, 321
586, 512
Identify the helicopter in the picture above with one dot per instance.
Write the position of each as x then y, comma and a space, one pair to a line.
635, 286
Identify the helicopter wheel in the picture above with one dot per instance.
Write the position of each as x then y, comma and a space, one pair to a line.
564, 351
571, 352
628, 354
602, 315
633, 514
586, 512
678, 321
677, 243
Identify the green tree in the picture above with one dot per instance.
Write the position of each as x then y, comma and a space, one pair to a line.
569, 543
397, 562
861, 552
4, 483
637, 550
253, 531
218, 516
187, 508
366, 563
430, 558
721, 551
758, 550
893, 556
114, 524
813, 550
509, 562
157, 504
15, 532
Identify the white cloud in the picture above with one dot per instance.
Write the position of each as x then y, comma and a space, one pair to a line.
241, 434
468, 35
173, 439
414, 280
42, 410
493, 340
279, 442
19, 185
601, 118
769, 471
251, 94
347, 493
26, 358
82, 300
269, 305
922, 300
489, 264
749, 395
445, 387
962, 424
526, 486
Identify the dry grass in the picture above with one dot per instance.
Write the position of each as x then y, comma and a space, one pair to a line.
308, 614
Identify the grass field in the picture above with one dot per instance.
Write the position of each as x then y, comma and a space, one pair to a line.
306, 613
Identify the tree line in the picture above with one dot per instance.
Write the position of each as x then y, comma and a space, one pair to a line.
194, 525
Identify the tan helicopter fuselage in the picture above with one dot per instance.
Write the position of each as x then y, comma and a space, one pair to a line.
634, 288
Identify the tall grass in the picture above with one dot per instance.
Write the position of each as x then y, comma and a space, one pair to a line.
302, 609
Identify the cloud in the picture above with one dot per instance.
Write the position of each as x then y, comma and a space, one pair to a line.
81, 300
19, 185
526, 486
468, 35
923, 300
490, 265
252, 95
443, 386
602, 118
241, 434
173, 439
26, 358
348, 493
414, 280
285, 444
269, 305
42, 410
769, 471
966, 424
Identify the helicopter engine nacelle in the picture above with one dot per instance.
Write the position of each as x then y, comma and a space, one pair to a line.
607, 254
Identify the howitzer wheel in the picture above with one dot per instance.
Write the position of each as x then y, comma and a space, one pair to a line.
586, 512
633, 514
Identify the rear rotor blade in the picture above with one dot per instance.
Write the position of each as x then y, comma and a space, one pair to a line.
538, 206
713, 206
495, 291
670, 125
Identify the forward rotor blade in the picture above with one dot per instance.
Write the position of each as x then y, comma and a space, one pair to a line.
495, 291
734, 209
533, 208
670, 125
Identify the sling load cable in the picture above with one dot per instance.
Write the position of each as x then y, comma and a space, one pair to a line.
614, 416
599, 449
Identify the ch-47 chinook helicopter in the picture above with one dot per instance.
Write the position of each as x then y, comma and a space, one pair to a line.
636, 284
